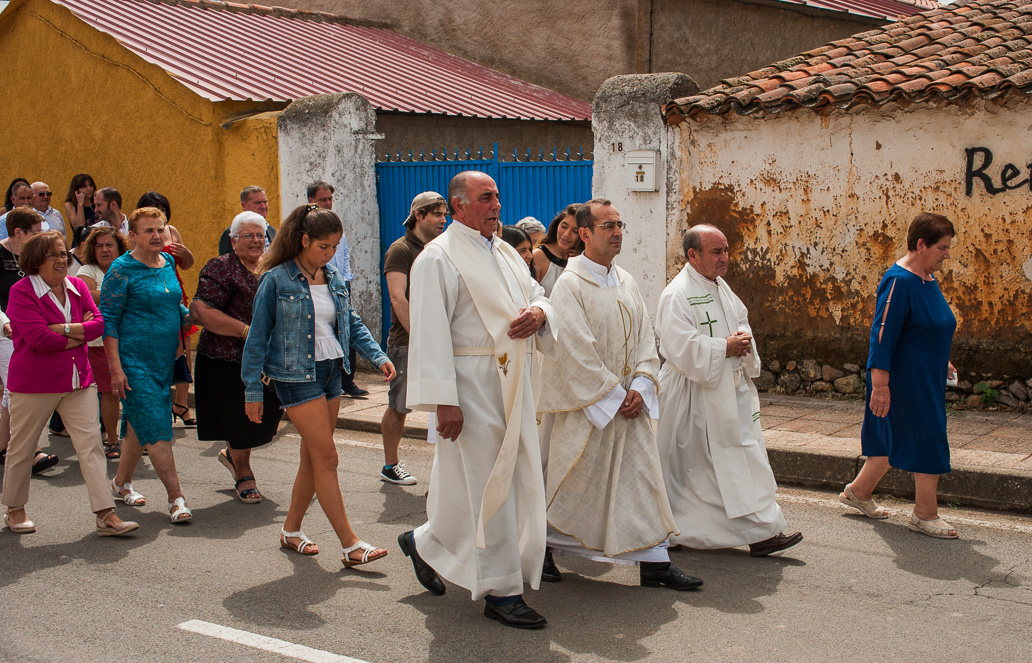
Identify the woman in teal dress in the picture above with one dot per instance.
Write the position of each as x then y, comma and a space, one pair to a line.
908, 366
141, 302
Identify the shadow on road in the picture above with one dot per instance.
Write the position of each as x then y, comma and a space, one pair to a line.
91, 549
400, 507
735, 582
936, 559
287, 602
578, 609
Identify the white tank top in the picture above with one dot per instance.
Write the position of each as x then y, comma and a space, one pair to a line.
326, 344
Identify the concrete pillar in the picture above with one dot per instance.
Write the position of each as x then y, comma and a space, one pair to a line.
332, 137
626, 116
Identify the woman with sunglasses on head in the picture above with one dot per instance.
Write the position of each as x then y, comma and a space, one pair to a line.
301, 328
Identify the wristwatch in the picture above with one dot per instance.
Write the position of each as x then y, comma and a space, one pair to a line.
67, 329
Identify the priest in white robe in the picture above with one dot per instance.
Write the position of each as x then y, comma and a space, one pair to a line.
475, 316
606, 498
718, 478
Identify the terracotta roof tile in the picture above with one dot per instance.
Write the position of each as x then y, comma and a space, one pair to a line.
978, 49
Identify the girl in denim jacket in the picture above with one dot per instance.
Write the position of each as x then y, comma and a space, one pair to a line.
303, 324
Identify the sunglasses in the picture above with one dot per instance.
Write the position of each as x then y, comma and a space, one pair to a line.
45, 194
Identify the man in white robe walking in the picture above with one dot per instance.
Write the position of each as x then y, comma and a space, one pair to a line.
475, 315
606, 498
718, 478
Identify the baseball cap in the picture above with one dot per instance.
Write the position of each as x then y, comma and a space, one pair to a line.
422, 200
530, 225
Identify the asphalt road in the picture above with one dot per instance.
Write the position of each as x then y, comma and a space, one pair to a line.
855, 588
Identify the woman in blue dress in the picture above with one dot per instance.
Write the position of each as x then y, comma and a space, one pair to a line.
141, 303
301, 329
909, 359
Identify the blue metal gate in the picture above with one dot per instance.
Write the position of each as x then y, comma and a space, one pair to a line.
539, 185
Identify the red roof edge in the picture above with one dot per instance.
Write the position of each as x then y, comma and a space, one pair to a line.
278, 12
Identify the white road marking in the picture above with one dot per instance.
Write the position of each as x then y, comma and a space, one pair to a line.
952, 519
281, 647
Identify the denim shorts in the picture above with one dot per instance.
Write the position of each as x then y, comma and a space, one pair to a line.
326, 383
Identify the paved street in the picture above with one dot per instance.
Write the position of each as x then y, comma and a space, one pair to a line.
854, 588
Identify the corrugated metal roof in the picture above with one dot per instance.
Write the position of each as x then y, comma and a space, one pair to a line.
227, 51
886, 9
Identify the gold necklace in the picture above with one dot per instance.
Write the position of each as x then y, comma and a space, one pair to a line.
155, 272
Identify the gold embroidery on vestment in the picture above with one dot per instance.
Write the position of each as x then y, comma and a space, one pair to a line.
628, 327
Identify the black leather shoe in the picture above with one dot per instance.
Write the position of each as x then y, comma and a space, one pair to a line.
516, 615
549, 571
353, 390
775, 544
657, 574
425, 574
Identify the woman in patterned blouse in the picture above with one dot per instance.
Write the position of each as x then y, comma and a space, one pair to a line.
222, 305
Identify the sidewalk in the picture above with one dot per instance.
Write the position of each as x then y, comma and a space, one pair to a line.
816, 443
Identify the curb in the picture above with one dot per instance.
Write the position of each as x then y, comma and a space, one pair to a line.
965, 485
830, 470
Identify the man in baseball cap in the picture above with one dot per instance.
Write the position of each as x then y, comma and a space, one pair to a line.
425, 221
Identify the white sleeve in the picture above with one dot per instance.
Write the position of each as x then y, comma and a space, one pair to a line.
647, 389
601, 412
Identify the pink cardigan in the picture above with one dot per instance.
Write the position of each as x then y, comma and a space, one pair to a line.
40, 363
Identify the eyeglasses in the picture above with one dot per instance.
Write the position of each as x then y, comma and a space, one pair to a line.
45, 194
611, 225
249, 237
63, 255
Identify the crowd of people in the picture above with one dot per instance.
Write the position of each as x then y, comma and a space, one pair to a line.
528, 342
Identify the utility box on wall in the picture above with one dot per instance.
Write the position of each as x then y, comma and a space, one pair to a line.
641, 170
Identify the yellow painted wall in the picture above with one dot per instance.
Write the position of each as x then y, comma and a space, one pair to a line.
77, 101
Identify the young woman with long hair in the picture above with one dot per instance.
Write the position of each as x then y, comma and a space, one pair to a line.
559, 244
303, 325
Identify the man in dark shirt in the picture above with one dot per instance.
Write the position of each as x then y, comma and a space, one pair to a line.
252, 199
425, 221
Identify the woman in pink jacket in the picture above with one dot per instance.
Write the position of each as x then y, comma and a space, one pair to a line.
52, 317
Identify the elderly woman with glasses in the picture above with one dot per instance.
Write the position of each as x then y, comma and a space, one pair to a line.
222, 305
54, 317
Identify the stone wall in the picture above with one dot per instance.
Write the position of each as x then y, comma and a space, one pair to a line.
811, 377
332, 137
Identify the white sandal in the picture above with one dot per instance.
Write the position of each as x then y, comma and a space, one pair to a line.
132, 498
179, 512
303, 545
938, 528
367, 554
868, 507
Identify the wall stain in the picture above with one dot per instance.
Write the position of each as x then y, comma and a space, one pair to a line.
809, 279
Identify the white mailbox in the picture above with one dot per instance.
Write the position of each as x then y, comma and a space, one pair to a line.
641, 170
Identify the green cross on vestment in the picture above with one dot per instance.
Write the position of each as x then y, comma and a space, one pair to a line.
709, 322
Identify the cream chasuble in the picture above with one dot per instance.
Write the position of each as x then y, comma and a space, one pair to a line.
718, 478
604, 487
485, 529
